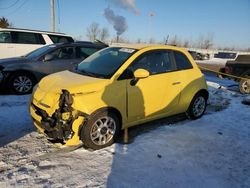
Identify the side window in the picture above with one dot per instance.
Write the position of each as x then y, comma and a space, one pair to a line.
182, 61
155, 62
63, 53
84, 52
27, 38
5, 37
58, 38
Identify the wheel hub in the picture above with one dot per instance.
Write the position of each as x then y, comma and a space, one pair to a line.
104, 130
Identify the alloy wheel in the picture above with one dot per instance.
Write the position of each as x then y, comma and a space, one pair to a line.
22, 84
103, 130
199, 106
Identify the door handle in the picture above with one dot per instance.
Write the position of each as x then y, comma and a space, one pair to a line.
176, 83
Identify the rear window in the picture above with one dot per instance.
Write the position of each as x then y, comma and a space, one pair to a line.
225, 55
182, 61
27, 38
84, 52
59, 39
243, 58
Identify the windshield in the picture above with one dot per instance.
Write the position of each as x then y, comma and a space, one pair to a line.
39, 51
105, 63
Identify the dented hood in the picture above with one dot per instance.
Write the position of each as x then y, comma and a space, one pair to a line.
73, 82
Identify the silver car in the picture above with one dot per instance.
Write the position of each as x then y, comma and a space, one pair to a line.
19, 75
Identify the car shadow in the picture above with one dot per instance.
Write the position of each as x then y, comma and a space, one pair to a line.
15, 121
149, 126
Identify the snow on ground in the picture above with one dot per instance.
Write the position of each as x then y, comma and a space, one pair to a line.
176, 152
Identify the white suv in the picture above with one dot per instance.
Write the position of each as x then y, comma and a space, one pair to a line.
19, 42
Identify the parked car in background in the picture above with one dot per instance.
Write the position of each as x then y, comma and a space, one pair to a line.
20, 74
199, 56
116, 88
225, 55
239, 67
18, 42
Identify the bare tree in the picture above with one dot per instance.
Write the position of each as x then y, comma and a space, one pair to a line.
104, 34
151, 41
93, 31
186, 44
4, 23
138, 41
174, 41
205, 42
120, 39
200, 42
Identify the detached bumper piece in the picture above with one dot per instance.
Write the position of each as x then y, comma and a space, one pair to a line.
65, 122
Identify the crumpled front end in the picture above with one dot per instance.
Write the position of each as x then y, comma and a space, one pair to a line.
53, 114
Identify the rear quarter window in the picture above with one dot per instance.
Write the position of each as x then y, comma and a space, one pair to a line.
182, 62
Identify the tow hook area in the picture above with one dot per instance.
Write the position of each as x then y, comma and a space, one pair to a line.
65, 122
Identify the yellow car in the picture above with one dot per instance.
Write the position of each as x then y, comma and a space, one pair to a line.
116, 88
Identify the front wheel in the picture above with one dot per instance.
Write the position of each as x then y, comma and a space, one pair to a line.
101, 130
21, 83
197, 106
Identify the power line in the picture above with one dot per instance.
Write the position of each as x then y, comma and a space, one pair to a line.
18, 8
10, 5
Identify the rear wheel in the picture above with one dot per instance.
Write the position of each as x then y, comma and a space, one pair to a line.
197, 106
21, 83
101, 130
244, 85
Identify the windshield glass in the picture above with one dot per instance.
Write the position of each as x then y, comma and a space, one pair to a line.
36, 53
105, 63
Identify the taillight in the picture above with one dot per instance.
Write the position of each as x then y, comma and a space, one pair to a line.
227, 70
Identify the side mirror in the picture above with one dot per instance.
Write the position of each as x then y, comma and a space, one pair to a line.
48, 57
141, 73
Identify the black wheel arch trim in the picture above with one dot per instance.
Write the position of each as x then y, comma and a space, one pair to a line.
12, 73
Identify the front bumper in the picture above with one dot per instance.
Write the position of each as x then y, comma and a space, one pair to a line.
66, 127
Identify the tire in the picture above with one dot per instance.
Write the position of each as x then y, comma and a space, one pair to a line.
21, 83
197, 106
96, 134
244, 86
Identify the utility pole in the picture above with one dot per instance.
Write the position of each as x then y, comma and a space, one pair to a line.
52, 12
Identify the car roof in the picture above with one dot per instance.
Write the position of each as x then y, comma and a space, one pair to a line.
33, 31
80, 43
142, 46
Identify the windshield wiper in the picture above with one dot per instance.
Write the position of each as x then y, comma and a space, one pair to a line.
86, 73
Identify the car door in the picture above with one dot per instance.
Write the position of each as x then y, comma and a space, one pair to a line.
158, 94
7, 47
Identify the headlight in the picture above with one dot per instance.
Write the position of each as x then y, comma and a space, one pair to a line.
33, 91
34, 88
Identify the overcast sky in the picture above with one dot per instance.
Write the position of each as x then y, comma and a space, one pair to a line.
228, 21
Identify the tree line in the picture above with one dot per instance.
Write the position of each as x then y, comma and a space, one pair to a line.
94, 31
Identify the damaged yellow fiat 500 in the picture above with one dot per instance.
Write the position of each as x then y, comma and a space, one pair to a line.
116, 88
